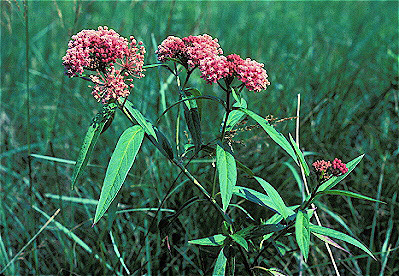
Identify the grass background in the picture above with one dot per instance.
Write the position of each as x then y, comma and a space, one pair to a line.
342, 57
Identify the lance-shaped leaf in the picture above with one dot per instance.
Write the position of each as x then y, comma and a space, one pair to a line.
339, 236
192, 117
255, 231
141, 120
220, 265
275, 197
227, 170
240, 240
334, 180
302, 232
121, 161
90, 139
330, 241
214, 240
235, 115
350, 194
255, 197
300, 156
272, 132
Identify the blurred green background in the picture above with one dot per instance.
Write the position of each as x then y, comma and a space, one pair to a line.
342, 57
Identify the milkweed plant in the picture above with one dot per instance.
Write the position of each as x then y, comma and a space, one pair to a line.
112, 64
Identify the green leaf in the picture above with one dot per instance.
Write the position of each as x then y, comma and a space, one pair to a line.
90, 140
330, 241
226, 166
240, 240
339, 236
141, 120
272, 132
121, 161
255, 196
235, 115
245, 168
214, 240
220, 265
275, 197
194, 125
196, 93
350, 194
255, 231
300, 155
329, 184
302, 232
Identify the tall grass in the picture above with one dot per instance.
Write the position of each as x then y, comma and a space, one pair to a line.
342, 57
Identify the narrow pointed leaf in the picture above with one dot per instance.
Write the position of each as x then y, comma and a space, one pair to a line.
255, 197
194, 125
350, 194
196, 93
235, 116
220, 265
300, 156
240, 240
227, 170
330, 241
275, 197
255, 231
141, 120
90, 140
339, 236
121, 161
272, 132
214, 240
329, 184
302, 232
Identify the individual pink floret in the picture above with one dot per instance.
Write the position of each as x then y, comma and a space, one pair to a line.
338, 167
112, 86
93, 50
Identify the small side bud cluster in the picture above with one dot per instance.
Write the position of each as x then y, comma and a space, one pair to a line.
326, 169
204, 52
114, 59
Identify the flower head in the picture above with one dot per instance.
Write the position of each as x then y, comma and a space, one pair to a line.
190, 51
171, 47
321, 167
249, 71
93, 50
214, 68
338, 167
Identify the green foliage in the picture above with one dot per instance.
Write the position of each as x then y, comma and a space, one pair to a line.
121, 161
342, 58
302, 232
90, 139
227, 171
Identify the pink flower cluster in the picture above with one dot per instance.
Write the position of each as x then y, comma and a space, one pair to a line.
325, 169
100, 51
339, 167
205, 52
188, 50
